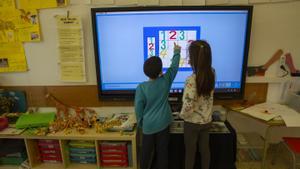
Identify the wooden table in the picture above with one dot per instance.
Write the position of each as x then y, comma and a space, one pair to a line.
270, 124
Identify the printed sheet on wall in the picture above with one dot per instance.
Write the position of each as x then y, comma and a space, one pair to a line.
71, 49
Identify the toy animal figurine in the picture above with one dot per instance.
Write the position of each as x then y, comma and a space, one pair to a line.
61, 109
107, 125
82, 119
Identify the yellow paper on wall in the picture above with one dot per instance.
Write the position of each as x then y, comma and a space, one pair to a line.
12, 57
71, 49
71, 54
19, 25
7, 4
38, 4
73, 71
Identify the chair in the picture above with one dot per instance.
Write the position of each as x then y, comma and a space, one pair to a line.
293, 146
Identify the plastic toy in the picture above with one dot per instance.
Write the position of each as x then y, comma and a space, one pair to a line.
82, 119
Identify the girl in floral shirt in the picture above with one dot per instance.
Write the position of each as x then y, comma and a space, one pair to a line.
197, 104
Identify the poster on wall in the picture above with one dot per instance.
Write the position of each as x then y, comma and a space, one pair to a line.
7, 4
39, 4
19, 25
12, 57
71, 49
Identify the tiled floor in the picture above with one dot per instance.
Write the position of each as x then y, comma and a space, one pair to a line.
282, 160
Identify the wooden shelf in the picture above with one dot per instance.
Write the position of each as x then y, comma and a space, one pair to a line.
91, 134
34, 155
9, 167
82, 166
49, 165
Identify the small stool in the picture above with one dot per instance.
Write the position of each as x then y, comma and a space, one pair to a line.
293, 146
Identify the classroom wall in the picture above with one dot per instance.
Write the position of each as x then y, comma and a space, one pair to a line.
275, 25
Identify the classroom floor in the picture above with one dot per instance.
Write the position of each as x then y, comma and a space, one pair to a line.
282, 160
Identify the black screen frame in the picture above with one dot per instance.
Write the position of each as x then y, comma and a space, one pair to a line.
129, 94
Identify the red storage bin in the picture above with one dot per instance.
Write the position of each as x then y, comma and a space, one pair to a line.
46, 141
58, 159
114, 163
113, 147
51, 155
49, 150
109, 157
103, 153
48, 145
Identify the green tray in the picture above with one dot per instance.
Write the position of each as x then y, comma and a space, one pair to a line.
17, 155
82, 144
35, 120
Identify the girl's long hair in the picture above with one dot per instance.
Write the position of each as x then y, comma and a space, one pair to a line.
201, 60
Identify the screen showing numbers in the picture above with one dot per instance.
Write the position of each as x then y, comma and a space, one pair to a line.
125, 39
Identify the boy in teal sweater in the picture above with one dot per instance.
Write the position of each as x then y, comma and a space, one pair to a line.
153, 111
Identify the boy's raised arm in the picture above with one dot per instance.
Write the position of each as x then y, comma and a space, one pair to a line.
172, 71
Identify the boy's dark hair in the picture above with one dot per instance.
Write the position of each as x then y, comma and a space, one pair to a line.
153, 67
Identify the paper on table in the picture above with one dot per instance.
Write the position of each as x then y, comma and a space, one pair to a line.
148, 2
193, 2
290, 116
268, 111
262, 111
7, 4
12, 58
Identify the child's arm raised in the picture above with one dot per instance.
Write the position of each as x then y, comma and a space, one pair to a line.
139, 105
172, 71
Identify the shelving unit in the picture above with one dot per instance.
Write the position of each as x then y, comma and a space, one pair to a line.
31, 143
